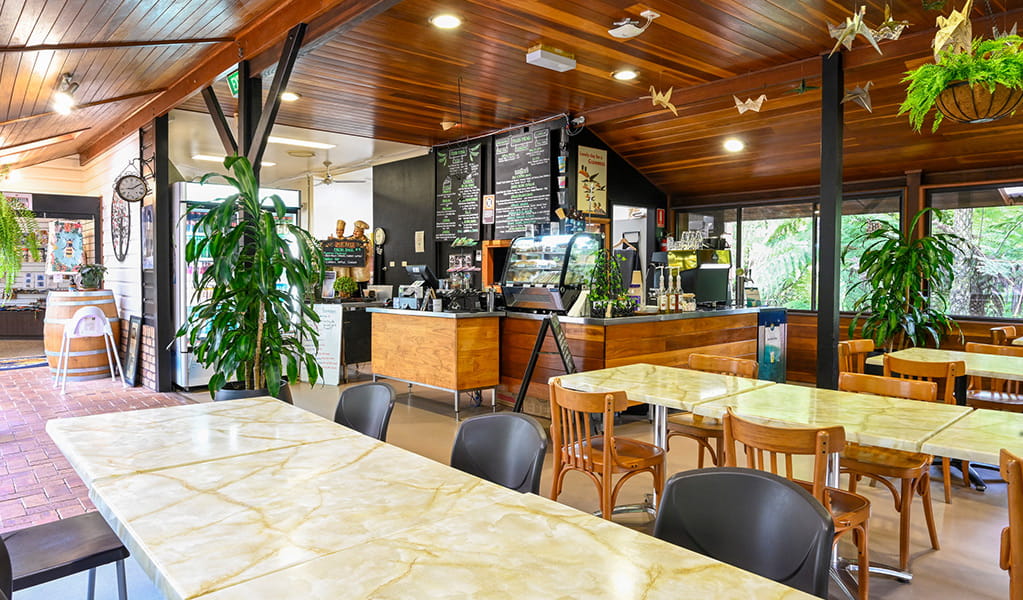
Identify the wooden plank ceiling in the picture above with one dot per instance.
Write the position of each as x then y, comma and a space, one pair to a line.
395, 77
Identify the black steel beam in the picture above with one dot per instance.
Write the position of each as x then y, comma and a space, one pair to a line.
250, 107
830, 221
219, 120
289, 54
163, 231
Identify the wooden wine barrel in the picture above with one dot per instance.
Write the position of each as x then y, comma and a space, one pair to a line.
87, 358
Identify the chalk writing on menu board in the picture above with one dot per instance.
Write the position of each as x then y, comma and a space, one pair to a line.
458, 192
344, 252
522, 181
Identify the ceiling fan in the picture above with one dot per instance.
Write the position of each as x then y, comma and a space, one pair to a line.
328, 178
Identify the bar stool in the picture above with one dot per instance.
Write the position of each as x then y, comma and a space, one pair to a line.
88, 322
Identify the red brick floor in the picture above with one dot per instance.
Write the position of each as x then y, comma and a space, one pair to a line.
37, 485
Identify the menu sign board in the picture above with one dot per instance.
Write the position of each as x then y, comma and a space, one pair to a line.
344, 252
522, 181
458, 192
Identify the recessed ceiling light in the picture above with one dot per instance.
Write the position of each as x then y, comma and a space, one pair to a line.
303, 143
625, 75
220, 159
445, 21
734, 145
289, 96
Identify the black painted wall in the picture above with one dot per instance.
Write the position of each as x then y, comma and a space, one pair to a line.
403, 203
625, 185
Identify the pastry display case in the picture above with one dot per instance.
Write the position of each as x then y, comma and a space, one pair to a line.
546, 273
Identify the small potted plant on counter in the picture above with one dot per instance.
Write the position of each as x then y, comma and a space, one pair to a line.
608, 295
346, 287
90, 276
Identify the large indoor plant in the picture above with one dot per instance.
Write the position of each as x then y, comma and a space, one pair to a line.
905, 282
244, 326
990, 75
18, 233
608, 295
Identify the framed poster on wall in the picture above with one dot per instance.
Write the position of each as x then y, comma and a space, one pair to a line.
591, 190
66, 247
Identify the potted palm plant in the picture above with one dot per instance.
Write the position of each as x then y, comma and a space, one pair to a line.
906, 282
981, 85
248, 325
18, 239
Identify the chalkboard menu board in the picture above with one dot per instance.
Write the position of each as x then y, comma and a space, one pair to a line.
344, 252
458, 192
522, 181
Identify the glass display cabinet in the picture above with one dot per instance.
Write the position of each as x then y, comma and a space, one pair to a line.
546, 273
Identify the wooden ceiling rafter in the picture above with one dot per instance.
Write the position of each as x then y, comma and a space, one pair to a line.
259, 36
50, 140
84, 105
111, 45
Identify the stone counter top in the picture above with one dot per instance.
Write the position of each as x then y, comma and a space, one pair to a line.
639, 318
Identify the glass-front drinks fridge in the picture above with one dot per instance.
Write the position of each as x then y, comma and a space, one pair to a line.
546, 273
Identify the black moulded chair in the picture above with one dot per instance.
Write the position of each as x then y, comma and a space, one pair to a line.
753, 520
43, 553
366, 408
504, 448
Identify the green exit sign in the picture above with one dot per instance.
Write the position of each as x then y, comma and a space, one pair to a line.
232, 83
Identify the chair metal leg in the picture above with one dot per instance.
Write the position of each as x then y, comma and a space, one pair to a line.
122, 581
117, 360
66, 353
92, 584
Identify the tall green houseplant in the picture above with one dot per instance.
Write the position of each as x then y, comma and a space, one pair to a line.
243, 326
18, 232
906, 282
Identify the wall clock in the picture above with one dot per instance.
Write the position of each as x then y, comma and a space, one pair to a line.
379, 236
131, 187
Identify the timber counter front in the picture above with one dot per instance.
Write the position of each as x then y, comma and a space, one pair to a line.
666, 340
456, 352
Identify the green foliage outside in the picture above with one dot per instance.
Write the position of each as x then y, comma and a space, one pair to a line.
778, 254
18, 232
991, 62
989, 270
244, 326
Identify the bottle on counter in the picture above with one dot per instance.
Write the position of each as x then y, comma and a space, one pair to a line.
674, 295
662, 294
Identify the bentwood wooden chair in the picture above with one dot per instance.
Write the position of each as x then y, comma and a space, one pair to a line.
1012, 536
852, 355
599, 457
1002, 336
769, 448
912, 469
703, 430
944, 375
992, 393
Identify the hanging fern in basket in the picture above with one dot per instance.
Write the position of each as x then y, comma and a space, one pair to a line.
19, 238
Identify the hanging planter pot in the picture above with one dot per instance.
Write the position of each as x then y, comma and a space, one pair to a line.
978, 103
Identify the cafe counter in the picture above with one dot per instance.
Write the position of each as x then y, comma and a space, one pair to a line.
597, 343
453, 351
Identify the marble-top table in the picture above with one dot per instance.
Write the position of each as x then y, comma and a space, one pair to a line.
979, 436
871, 420
978, 364
662, 388
228, 501
1018, 341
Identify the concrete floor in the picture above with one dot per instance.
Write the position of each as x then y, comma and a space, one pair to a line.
969, 528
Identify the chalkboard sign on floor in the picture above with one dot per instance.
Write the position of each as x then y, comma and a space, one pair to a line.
560, 341
522, 181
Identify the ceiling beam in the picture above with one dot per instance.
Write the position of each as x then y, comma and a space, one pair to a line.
256, 37
41, 142
219, 121
85, 105
106, 45
273, 100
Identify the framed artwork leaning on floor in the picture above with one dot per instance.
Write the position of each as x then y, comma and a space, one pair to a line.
131, 359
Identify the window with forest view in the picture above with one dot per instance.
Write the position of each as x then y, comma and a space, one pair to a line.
775, 244
989, 273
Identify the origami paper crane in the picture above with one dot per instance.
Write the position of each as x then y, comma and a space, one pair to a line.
802, 88
889, 29
749, 104
860, 95
662, 99
955, 32
846, 33
997, 33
